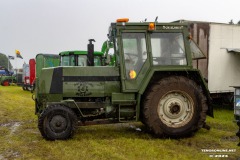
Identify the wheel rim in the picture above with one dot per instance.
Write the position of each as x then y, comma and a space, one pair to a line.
175, 109
58, 124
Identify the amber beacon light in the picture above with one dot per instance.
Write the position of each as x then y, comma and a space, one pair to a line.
123, 20
151, 26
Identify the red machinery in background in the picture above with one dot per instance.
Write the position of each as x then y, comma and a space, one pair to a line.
29, 74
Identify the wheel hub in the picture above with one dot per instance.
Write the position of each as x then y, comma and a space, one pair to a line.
58, 123
175, 109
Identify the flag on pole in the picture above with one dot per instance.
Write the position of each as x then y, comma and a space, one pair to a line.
10, 57
18, 55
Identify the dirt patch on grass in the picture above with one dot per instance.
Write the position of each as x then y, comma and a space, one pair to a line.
10, 154
13, 126
230, 138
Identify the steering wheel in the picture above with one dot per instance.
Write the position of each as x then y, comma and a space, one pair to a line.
131, 58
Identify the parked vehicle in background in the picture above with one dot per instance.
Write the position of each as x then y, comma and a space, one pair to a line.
32, 70
18, 73
26, 77
6, 77
44, 61
29, 74
237, 109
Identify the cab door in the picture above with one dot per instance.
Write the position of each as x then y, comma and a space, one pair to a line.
134, 58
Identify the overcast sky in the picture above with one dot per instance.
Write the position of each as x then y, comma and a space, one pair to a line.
52, 26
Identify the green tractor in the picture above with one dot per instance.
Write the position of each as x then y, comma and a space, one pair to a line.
6, 77
148, 77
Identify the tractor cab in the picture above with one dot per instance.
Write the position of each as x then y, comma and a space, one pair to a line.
79, 58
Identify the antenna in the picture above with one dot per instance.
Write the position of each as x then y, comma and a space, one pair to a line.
144, 20
156, 19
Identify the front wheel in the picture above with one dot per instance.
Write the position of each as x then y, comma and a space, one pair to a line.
174, 107
24, 88
29, 88
57, 122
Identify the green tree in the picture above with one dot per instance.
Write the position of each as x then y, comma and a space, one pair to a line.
4, 61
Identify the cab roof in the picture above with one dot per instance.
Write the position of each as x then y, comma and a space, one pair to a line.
145, 25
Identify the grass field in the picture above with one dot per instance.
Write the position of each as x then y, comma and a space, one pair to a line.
20, 138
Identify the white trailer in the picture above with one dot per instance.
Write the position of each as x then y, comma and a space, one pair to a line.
224, 57
221, 44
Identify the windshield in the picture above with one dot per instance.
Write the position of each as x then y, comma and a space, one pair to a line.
82, 60
78, 60
67, 60
168, 49
97, 61
74, 60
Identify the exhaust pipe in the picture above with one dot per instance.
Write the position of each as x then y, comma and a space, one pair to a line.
90, 55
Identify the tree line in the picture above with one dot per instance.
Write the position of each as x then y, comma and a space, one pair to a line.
4, 61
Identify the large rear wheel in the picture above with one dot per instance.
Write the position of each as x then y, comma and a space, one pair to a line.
174, 107
57, 122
